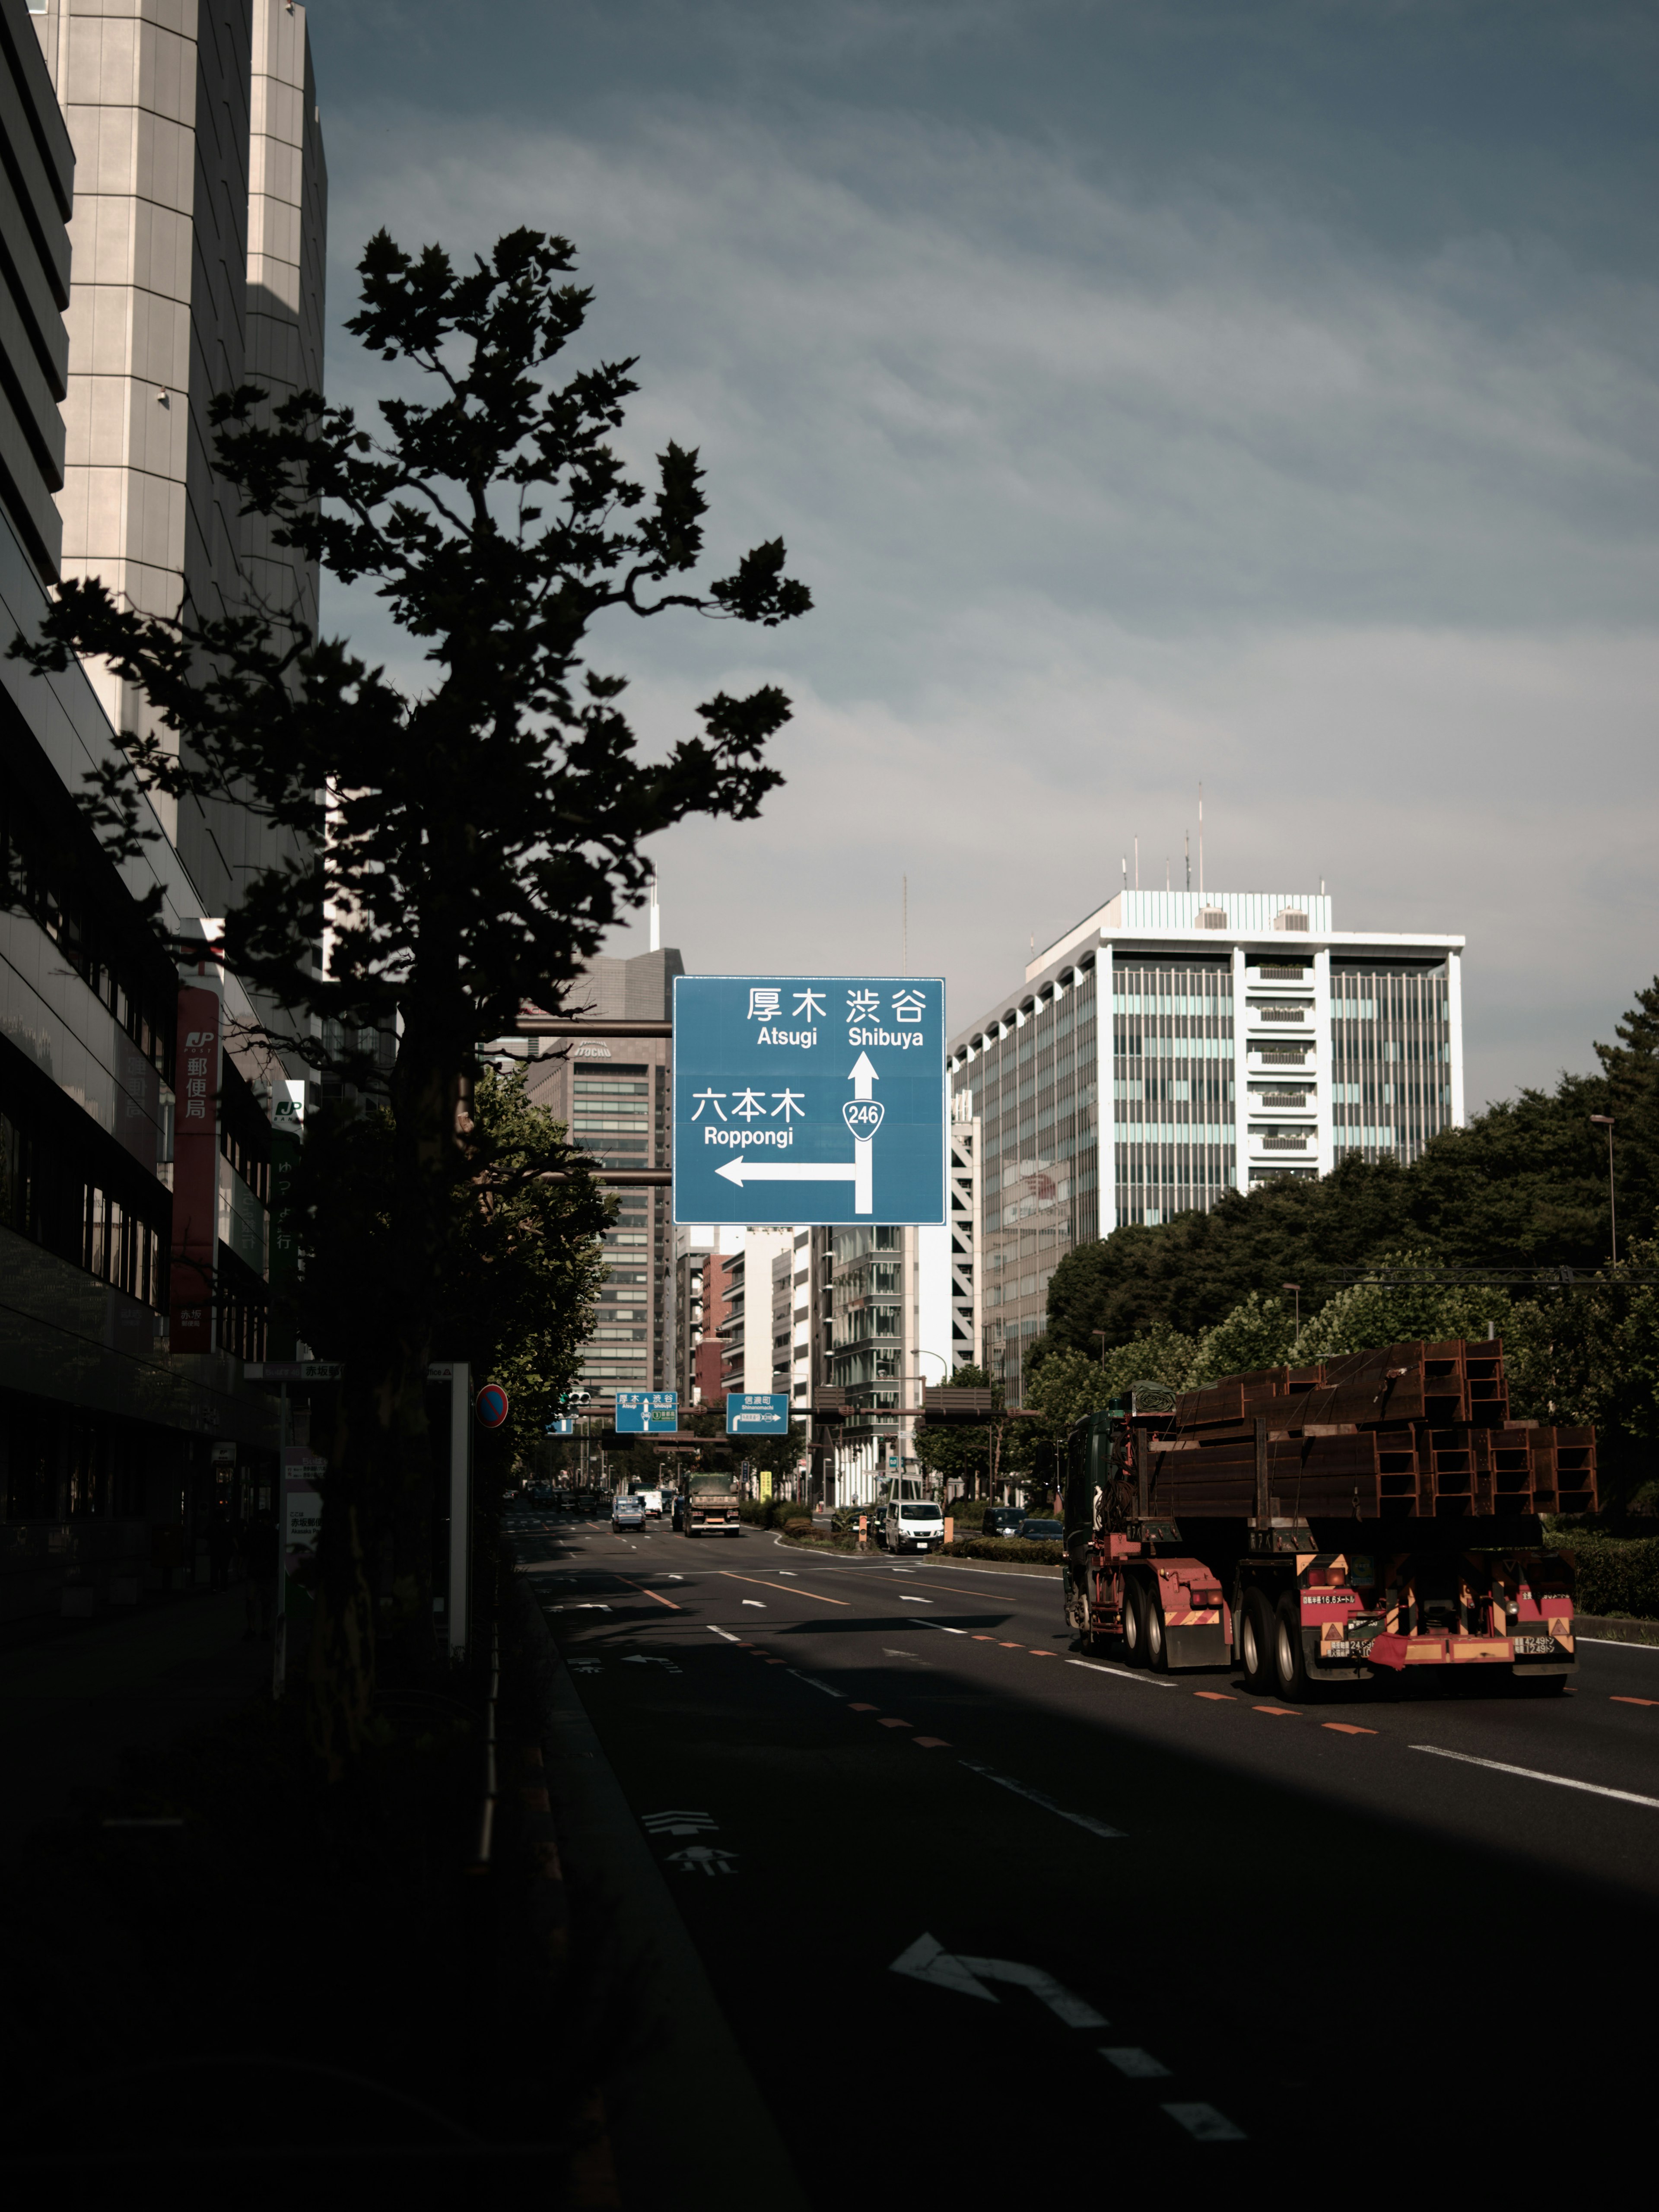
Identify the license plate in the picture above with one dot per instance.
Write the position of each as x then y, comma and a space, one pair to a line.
1341, 1650
1533, 1647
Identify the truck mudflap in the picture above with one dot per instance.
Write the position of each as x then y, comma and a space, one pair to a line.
1201, 1640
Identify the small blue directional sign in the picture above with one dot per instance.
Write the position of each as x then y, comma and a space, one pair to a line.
809, 1099
756, 1414
648, 1413
561, 1427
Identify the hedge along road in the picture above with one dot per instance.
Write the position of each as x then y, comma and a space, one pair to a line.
1273, 1918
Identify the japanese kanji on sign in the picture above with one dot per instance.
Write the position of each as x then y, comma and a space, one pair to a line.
815, 1098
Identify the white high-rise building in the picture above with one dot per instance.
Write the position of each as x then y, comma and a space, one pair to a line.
1248, 1040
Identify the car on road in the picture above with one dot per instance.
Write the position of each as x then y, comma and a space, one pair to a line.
1003, 1520
908, 1525
627, 1511
1043, 1531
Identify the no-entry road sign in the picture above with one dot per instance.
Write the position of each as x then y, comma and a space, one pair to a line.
809, 1099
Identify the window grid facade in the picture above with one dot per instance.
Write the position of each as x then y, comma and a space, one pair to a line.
1173, 1103
1391, 1050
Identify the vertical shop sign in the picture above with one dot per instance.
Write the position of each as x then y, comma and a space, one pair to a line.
196, 1170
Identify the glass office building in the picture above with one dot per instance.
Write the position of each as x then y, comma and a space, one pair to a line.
1173, 1047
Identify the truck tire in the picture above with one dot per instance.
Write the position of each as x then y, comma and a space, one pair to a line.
1255, 1639
1134, 1622
1290, 1662
1151, 1622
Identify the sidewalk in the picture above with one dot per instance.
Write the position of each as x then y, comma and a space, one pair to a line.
70, 1706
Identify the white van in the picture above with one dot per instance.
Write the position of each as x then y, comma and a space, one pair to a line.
909, 1525
652, 1501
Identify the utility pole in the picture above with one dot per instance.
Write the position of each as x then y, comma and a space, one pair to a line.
1605, 1121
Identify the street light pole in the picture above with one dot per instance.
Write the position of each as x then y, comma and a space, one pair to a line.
1101, 1333
1605, 1121
1296, 1309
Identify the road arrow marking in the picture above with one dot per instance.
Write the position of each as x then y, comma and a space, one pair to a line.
927, 1960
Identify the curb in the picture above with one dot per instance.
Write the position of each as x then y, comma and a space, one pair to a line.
1614, 1629
687, 2124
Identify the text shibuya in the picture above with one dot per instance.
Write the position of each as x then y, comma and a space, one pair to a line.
782, 1137
903, 1038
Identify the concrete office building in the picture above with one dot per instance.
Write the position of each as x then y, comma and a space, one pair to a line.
613, 1095
134, 1153
1173, 1047
197, 239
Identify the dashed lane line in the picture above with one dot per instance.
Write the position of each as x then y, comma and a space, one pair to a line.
1036, 1797
642, 1588
721, 1632
1147, 1681
1532, 1774
1346, 1728
812, 1683
1279, 1713
1633, 1701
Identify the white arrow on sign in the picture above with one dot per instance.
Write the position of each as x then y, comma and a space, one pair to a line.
927, 1960
860, 1170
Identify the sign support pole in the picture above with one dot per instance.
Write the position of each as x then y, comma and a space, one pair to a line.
460, 1505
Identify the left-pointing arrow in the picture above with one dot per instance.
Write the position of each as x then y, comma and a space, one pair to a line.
741, 1171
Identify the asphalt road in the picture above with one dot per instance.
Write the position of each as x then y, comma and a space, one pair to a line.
978, 1909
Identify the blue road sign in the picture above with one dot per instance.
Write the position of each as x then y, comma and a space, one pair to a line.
560, 1428
648, 1413
809, 1099
756, 1414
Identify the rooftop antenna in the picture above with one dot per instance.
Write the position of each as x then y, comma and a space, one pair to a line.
1137, 864
1201, 840
1187, 846
1124, 865
1168, 870
656, 917
904, 926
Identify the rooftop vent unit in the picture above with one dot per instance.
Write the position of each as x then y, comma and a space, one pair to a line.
1213, 917
1290, 917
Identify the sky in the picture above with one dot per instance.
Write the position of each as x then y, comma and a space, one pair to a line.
1176, 392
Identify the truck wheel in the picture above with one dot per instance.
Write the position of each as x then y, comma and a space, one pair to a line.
1255, 1637
1290, 1662
1151, 1621
1134, 1624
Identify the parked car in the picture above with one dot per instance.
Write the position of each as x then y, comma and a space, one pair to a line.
627, 1511
1043, 1531
1003, 1520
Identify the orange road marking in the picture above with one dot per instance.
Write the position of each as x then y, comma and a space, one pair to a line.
1287, 1712
1012, 1647
642, 1588
984, 1639
892, 1723
1036, 1654
1346, 1728
1633, 1701
1220, 1697
861, 1708
931, 1742
789, 1589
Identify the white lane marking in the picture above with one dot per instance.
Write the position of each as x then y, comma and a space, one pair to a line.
712, 1630
1147, 1681
1532, 1774
1137, 2065
759, 1604
927, 1960
1204, 2124
887, 1652
575, 1608
1616, 1643
943, 1630
1036, 1797
676, 1579
824, 1686
785, 1570
905, 1598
